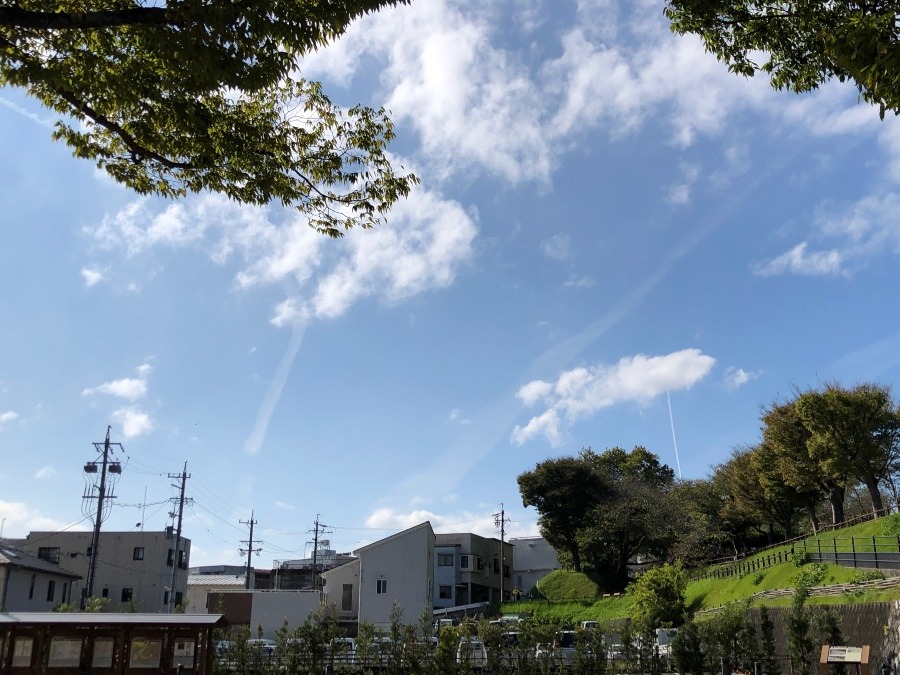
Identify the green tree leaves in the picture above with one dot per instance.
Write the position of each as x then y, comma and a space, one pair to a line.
196, 96
803, 43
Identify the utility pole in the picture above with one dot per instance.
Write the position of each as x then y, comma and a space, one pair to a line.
315, 568
175, 563
250, 550
500, 521
106, 466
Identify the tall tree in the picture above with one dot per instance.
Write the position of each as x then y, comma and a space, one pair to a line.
628, 522
800, 45
189, 95
854, 432
564, 491
786, 436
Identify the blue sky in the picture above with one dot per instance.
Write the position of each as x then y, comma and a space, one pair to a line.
606, 217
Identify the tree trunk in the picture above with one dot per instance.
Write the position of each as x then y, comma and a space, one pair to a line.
875, 494
813, 518
576, 557
836, 499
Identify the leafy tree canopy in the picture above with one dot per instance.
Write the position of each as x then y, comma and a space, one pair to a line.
802, 44
187, 95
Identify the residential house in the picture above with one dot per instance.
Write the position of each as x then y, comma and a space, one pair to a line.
134, 570
397, 570
470, 569
31, 584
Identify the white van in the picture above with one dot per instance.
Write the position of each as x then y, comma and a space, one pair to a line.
473, 652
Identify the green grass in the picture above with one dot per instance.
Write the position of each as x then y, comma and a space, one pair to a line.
569, 597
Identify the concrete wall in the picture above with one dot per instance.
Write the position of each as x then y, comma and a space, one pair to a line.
447, 575
270, 609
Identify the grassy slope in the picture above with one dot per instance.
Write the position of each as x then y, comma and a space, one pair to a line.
561, 587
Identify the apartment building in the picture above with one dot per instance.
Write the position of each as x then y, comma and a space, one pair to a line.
135, 571
470, 569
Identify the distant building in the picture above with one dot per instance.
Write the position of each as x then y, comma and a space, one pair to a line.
199, 586
534, 559
268, 609
134, 569
300, 574
30, 584
468, 570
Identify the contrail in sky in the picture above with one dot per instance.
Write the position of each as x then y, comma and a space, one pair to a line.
674, 442
254, 442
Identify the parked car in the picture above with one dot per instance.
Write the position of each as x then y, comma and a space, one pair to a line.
342, 651
473, 652
664, 639
262, 646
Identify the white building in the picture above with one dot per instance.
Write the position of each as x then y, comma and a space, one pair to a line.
534, 559
134, 570
397, 570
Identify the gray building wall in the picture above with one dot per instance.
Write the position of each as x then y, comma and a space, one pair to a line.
21, 596
335, 581
403, 567
479, 580
118, 571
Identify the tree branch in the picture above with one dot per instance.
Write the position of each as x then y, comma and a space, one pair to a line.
16, 17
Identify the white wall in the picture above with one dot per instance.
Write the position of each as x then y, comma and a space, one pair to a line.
334, 589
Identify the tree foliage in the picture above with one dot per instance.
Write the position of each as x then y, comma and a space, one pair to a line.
800, 45
659, 598
187, 96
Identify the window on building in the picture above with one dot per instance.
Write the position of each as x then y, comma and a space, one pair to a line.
507, 572
178, 598
104, 593
445, 592
479, 563
182, 559
165, 598
464, 562
445, 560
127, 594
31, 588
496, 566
170, 559
51, 590
138, 553
381, 586
346, 597
49, 553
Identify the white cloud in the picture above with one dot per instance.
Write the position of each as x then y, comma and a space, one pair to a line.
133, 421
45, 472
580, 282
798, 261
8, 416
586, 390
558, 247
457, 416
20, 518
284, 506
128, 388
91, 275
680, 192
738, 377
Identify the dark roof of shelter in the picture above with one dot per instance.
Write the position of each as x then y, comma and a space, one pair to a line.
109, 619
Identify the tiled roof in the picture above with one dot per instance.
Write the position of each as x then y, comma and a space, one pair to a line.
216, 580
15, 557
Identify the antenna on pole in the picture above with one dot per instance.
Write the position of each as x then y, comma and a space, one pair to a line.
249, 550
500, 521
113, 468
